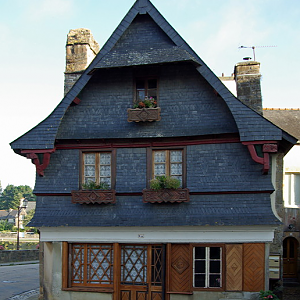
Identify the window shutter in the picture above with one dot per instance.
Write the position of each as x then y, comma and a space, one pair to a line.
180, 268
254, 267
234, 267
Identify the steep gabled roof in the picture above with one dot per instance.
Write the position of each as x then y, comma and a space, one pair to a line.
251, 125
286, 118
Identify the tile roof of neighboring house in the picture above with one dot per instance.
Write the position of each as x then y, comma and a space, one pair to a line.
4, 214
286, 118
251, 125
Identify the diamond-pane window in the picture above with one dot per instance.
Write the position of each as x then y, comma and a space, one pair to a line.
91, 264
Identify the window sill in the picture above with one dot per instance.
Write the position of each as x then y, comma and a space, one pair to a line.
89, 289
166, 195
143, 114
94, 196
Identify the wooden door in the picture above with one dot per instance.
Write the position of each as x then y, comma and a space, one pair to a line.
290, 246
141, 276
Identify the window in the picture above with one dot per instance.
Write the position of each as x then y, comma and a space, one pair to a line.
207, 267
146, 88
132, 269
98, 167
291, 189
91, 265
168, 163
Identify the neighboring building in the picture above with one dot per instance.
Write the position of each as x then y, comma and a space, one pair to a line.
289, 120
210, 238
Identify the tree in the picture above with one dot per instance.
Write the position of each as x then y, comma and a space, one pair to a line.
12, 195
28, 217
5, 226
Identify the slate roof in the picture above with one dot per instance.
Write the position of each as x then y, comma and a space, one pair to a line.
202, 210
287, 119
115, 59
250, 124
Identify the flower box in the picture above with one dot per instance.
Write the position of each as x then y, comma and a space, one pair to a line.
166, 195
94, 196
143, 114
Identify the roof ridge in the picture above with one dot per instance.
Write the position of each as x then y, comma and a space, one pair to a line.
271, 108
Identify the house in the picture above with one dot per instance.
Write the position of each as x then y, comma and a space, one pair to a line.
289, 120
11, 216
211, 237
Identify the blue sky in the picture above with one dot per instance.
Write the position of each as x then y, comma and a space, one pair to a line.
33, 36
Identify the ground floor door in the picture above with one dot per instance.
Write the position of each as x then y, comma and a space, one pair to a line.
142, 272
290, 254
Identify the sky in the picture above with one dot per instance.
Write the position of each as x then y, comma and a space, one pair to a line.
33, 35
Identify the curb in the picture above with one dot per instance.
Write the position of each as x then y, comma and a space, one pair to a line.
29, 295
13, 263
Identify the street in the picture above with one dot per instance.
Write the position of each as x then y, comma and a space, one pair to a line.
17, 279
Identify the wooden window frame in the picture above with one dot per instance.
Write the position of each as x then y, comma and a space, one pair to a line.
223, 268
150, 163
67, 269
113, 165
146, 79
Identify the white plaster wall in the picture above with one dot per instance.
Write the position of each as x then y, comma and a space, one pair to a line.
159, 234
292, 160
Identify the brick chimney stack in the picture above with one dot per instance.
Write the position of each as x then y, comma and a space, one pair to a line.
247, 77
81, 48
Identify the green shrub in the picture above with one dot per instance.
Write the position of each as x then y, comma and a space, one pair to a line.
92, 185
164, 182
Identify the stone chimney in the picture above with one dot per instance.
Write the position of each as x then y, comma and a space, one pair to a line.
247, 77
81, 48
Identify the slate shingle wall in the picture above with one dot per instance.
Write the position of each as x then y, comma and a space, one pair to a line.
131, 170
210, 168
188, 106
224, 167
215, 210
62, 174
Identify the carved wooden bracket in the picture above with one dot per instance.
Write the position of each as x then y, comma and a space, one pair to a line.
267, 148
40, 158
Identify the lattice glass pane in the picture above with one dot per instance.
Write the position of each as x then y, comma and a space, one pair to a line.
89, 171
134, 264
100, 264
105, 158
77, 264
105, 171
89, 159
176, 169
159, 169
176, 156
160, 156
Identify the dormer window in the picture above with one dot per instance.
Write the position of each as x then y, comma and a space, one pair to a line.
146, 88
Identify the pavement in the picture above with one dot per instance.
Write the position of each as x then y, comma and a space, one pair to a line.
18, 284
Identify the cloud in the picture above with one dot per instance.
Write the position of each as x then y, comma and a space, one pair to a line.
41, 9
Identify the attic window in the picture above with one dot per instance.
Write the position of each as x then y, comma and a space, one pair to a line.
145, 88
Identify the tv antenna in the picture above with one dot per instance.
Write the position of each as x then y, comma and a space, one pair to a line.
253, 48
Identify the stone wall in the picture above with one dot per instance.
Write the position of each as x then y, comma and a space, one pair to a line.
7, 256
81, 49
